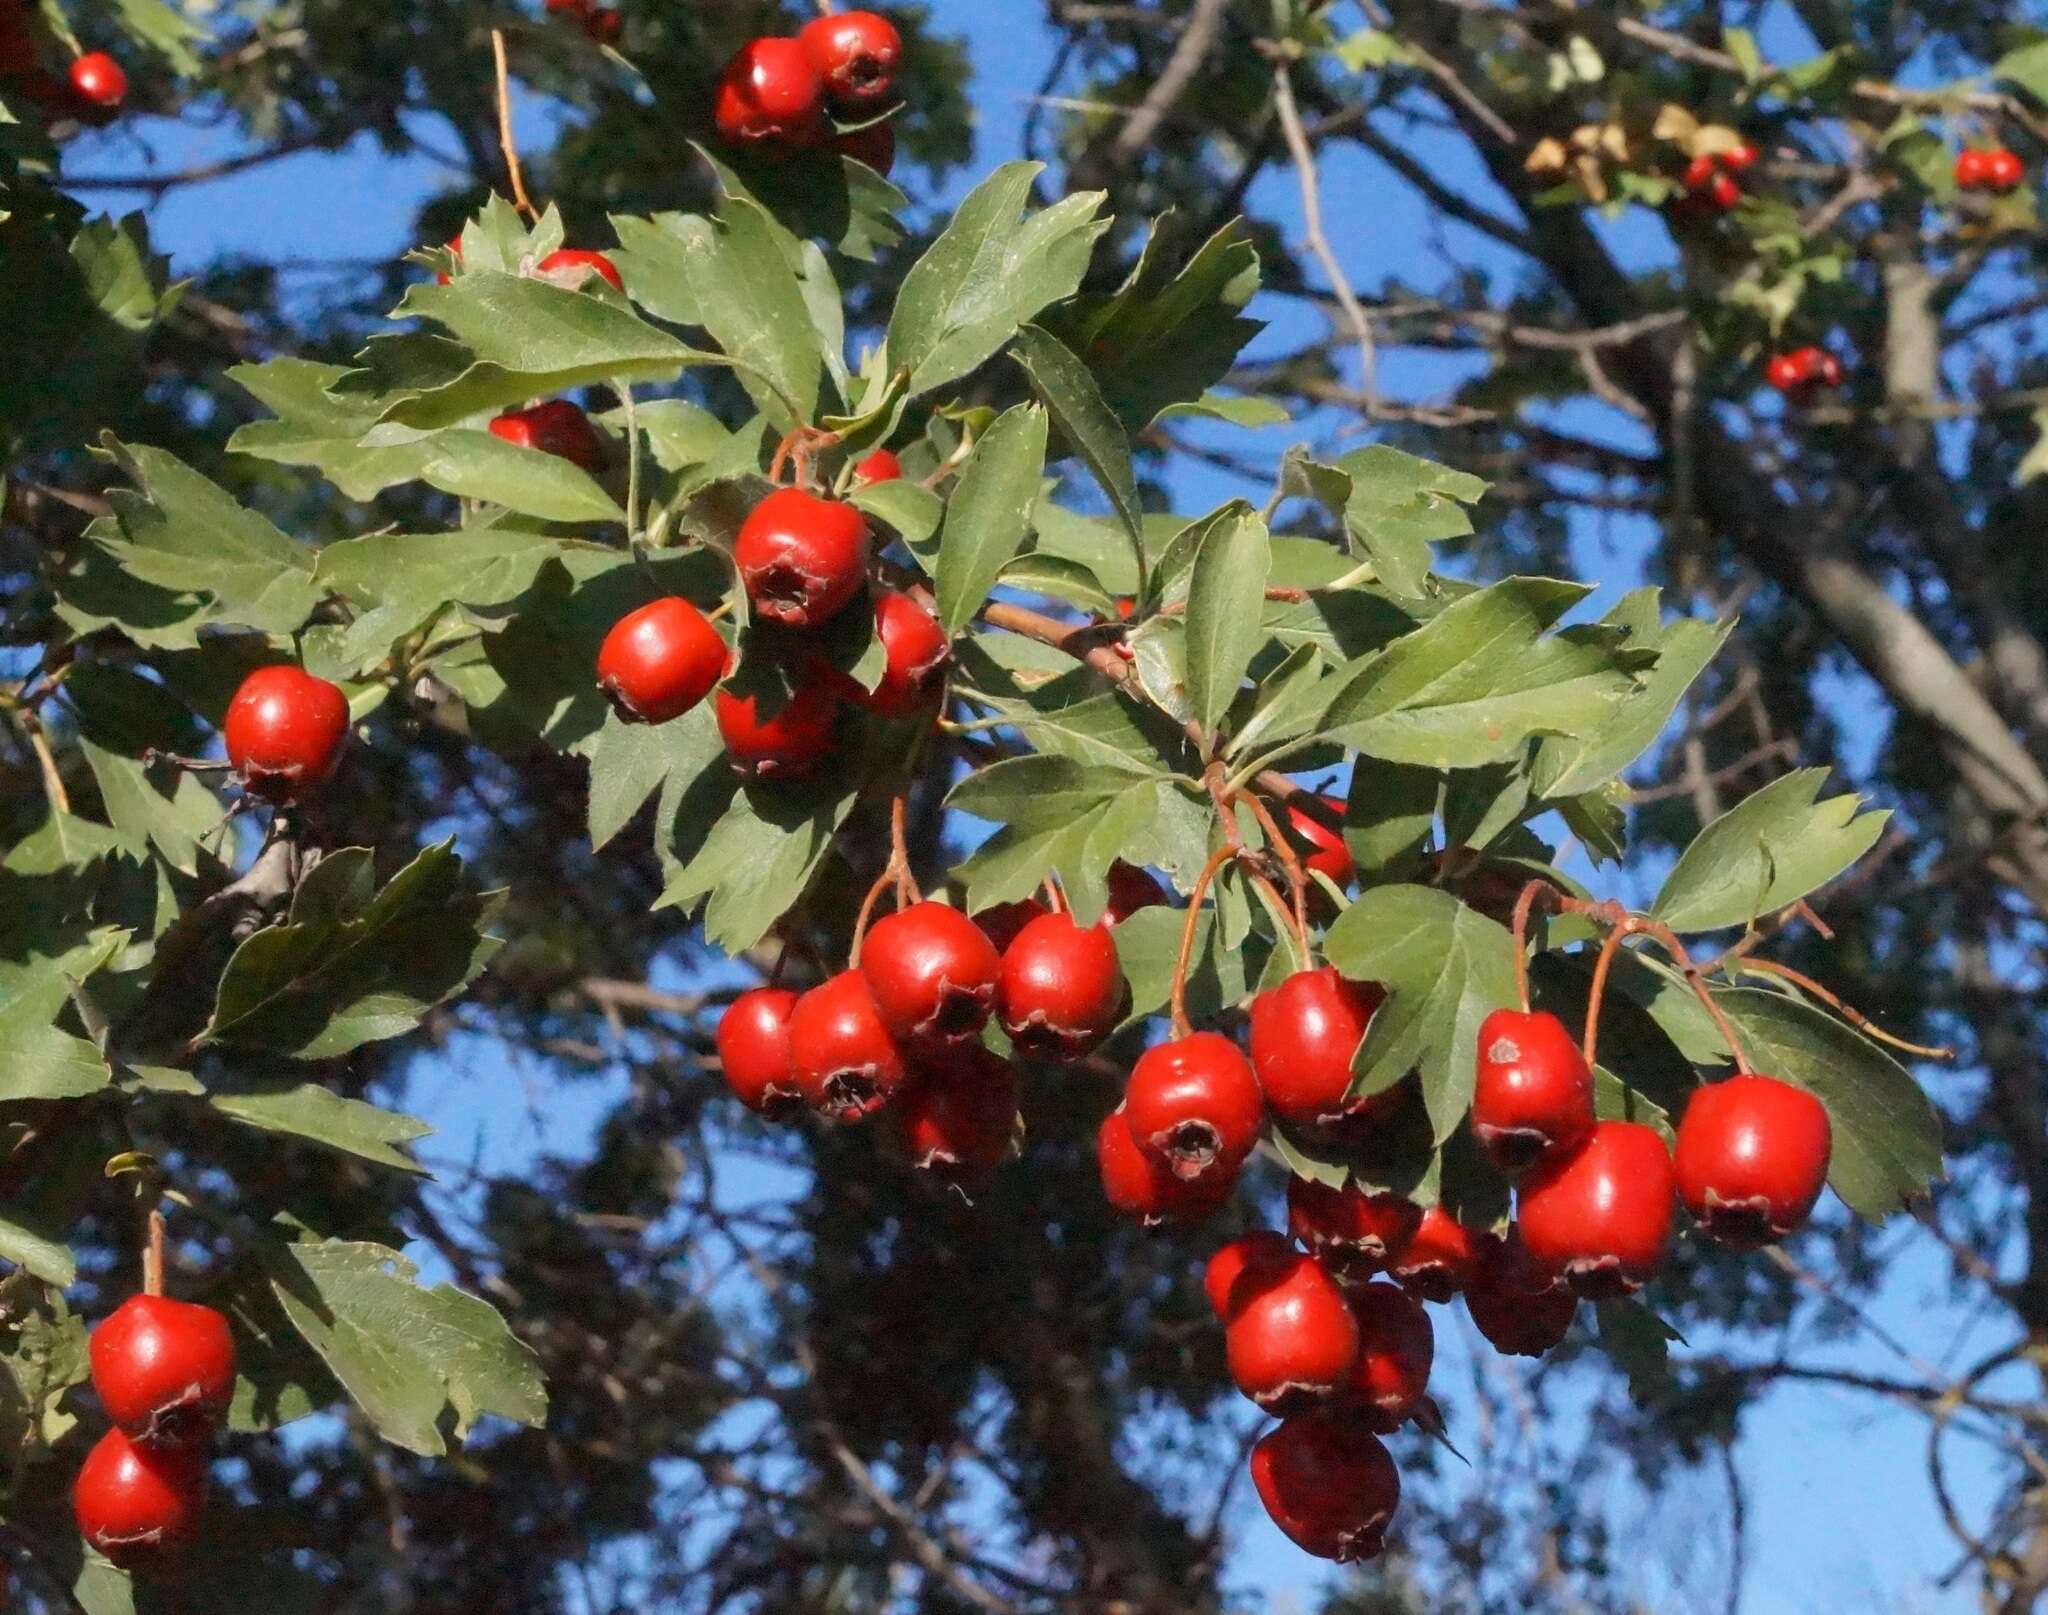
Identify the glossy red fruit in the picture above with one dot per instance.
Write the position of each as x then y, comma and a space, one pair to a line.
846, 1064
1247, 1260
1699, 173
1741, 159
1600, 1214
96, 78
1520, 1309
1329, 1483
1327, 853
875, 145
1132, 889
284, 731
1355, 1231
572, 267
1396, 1348
1291, 1340
164, 1369
933, 973
1785, 372
556, 427
916, 654
604, 27
802, 558
779, 743
1195, 1105
1003, 923
856, 54
1828, 369
659, 661
454, 246
1140, 1187
1439, 1258
1304, 1034
1722, 193
770, 93
139, 1505
1534, 1091
2003, 171
958, 1119
753, 1048
881, 466
1061, 991
1970, 174
1752, 1158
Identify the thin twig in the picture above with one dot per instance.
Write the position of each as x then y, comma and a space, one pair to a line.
506, 143
1312, 227
1854, 1017
153, 1252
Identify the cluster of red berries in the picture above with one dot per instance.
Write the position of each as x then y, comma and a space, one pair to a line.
1801, 374
94, 85
1989, 168
165, 1372
1709, 183
602, 24
784, 95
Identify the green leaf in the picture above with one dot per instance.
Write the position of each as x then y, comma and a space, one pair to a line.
2027, 67
1067, 390
419, 572
38, 1250
1291, 700
1061, 578
1039, 791
756, 861
1766, 853
478, 465
1638, 1342
1225, 592
307, 1110
989, 513
1219, 978
817, 194
1394, 506
318, 428
42, 1355
629, 762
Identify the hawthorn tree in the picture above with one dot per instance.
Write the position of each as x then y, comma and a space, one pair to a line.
856, 1391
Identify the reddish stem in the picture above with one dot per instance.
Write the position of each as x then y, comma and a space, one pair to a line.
153, 1252
1217, 860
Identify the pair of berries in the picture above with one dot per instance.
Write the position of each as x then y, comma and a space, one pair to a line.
1992, 169
1358, 1233
600, 24
284, 731
775, 93
165, 1371
1709, 183
1803, 373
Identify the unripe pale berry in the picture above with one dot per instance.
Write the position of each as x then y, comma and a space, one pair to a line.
164, 1369
139, 1505
1329, 1483
1305, 1033
284, 731
1195, 1105
1534, 1091
845, 1063
753, 1048
1061, 991
1752, 1158
801, 558
1600, 1214
932, 971
659, 661
1291, 1339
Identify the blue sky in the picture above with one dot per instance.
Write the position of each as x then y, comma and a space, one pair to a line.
1840, 1508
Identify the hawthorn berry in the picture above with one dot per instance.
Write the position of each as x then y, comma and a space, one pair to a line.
1138, 1186
1061, 991
788, 742
603, 26
454, 246
572, 266
1534, 1091
1248, 1258
1752, 1158
139, 1505
958, 1118
915, 653
1002, 923
882, 465
753, 1049
769, 93
1328, 855
1305, 1033
1740, 159
284, 731
855, 53
1329, 1483
1131, 889
1600, 1214
2003, 171
1970, 163
1194, 1105
1396, 1349
1521, 1310
555, 427
164, 1369
802, 558
933, 973
1291, 1339
1354, 1230
876, 146
1438, 1260
845, 1063
659, 661
98, 80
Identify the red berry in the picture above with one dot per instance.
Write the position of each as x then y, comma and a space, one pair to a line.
915, 654
2003, 171
1003, 923
856, 54
572, 267
1439, 1258
139, 1505
284, 731
455, 250
660, 661
753, 1047
1741, 159
1752, 1158
1601, 1214
1396, 1348
801, 558
882, 465
959, 1118
769, 91
1130, 889
98, 79
1699, 173
1138, 1186
164, 1369
1520, 1309
1534, 1091
1125, 605
1245, 1260
933, 973
1329, 1483
1194, 1105
786, 743
1291, 1339
604, 27
1828, 370
1305, 1033
845, 1063
556, 427
569, 8
1785, 372
1329, 855
876, 146
1723, 193
1061, 991
1356, 1231
1971, 169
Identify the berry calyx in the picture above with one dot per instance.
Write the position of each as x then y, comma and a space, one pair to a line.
1439, 1258
1138, 1186
915, 654
844, 1061
555, 427
801, 558
783, 743
1752, 1158
659, 661
959, 1118
933, 973
284, 731
1600, 1214
753, 1049
1521, 1310
1327, 855
98, 80
572, 266
164, 1369
1194, 1105
876, 146
1061, 991
1131, 889
1305, 1033
1246, 1260
1396, 1349
1291, 1339
770, 92
1003, 923
139, 1505
1329, 1483
1356, 1231
882, 465
856, 54
1534, 1091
